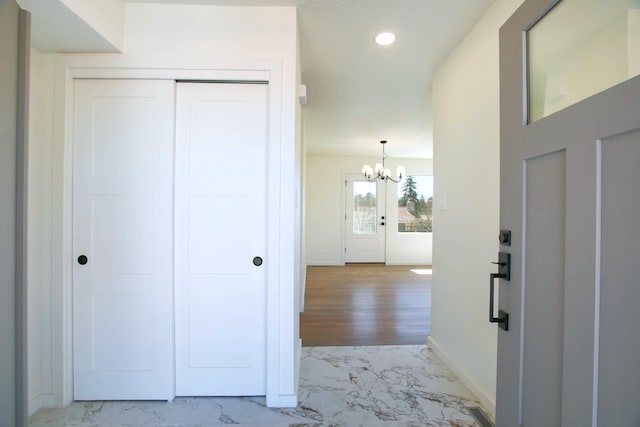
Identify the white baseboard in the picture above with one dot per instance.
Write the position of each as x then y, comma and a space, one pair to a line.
487, 400
283, 401
303, 288
325, 263
38, 402
405, 261
289, 400
298, 364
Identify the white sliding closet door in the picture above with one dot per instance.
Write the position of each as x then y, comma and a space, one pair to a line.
221, 148
122, 239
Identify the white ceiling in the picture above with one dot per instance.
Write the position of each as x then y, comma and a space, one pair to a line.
360, 93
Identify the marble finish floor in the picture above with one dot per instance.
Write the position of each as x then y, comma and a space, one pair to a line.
399, 386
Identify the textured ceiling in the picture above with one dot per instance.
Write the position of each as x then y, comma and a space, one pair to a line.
359, 93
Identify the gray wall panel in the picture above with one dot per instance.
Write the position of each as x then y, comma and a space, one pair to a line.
22, 173
14, 54
8, 132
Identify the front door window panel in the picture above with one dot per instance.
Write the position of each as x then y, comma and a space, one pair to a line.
581, 48
364, 207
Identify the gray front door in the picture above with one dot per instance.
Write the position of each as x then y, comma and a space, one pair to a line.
570, 195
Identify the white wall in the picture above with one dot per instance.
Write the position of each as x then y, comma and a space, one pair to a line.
325, 201
76, 25
633, 42
466, 166
181, 37
177, 32
39, 223
105, 16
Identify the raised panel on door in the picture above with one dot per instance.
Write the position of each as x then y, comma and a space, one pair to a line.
619, 291
543, 288
122, 224
220, 229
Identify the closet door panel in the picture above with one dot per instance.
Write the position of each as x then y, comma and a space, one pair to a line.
221, 144
123, 137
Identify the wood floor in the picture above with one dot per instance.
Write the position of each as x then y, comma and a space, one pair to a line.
366, 304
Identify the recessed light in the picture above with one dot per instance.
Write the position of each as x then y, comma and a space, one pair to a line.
384, 39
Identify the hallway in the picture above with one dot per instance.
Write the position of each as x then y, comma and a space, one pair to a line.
366, 304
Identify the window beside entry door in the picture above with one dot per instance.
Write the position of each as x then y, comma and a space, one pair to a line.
364, 207
415, 204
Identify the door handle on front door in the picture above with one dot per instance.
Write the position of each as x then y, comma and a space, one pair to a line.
504, 272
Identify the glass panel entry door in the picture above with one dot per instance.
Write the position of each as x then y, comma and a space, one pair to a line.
365, 220
569, 195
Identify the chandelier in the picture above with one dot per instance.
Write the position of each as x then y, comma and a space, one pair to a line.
380, 172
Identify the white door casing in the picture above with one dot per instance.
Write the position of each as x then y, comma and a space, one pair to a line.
280, 324
365, 219
221, 221
122, 223
570, 196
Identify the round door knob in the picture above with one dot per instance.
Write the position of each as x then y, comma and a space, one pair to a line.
257, 261
82, 259
382, 223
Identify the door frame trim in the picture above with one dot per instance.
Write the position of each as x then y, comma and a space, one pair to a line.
280, 347
21, 220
